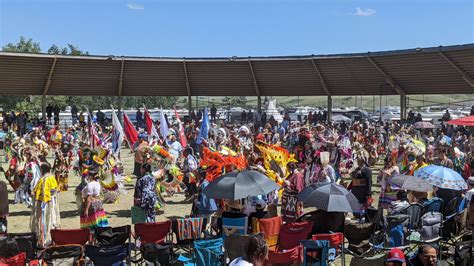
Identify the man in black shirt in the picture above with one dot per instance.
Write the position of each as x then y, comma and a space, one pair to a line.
49, 112
213, 113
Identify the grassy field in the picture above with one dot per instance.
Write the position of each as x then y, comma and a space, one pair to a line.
365, 102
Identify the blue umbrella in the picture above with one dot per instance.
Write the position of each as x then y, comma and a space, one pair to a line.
442, 177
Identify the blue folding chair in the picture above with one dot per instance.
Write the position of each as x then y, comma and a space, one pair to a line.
321, 246
111, 255
432, 205
206, 253
234, 226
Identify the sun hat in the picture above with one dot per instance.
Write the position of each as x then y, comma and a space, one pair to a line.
235, 204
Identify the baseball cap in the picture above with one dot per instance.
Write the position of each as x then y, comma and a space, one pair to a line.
396, 254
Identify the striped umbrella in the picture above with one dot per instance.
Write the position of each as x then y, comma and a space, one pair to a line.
329, 197
442, 177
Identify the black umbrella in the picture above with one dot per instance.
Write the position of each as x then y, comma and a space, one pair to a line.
329, 197
239, 185
412, 183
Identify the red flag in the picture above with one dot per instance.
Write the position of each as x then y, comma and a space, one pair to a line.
150, 127
129, 130
182, 137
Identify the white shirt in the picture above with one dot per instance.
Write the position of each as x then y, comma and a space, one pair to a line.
91, 189
240, 262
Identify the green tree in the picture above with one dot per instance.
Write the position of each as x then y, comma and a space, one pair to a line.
23, 46
70, 49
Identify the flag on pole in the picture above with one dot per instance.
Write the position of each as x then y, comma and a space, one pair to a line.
117, 133
150, 127
129, 130
204, 131
93, 136
163, 125
182, 137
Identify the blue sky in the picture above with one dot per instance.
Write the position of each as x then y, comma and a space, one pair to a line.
194, 28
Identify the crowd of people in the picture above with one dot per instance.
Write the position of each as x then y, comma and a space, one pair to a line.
194, 153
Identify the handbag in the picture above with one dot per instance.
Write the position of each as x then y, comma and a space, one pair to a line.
138, 215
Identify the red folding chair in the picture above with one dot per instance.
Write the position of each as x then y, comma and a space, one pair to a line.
152, 232
271, 229
336, 242
289, 249
291, 234
71, 236
17, 260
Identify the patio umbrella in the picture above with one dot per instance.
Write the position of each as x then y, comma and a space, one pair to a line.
329, 197
412, 183
465, 121
239, 185
423, 124
442, 177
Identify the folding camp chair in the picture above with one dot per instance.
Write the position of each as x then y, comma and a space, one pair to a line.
152, 232
361, 237
112, 236
451, 227
270, 227
64, 255
17, 260
234, 246
288, 249
70, 236
336, 245
108, 255
414, 211
28, 243
150, 241
324, 222
433, 205
231, 226
292, 233
188, 230
464, 253
112, 245
451, 208
394, 230
322, 246
206, 253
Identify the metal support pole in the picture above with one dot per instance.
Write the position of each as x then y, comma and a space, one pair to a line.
190, 105
329, 108
259, 103
188, 87
403, 107
43, 108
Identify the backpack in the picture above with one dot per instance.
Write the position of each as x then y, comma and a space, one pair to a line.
430, 225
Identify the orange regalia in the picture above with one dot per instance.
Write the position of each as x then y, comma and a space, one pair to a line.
220, 162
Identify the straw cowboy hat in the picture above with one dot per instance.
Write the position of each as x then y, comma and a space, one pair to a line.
235, 204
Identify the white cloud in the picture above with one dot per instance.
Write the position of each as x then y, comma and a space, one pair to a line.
365, 12
134, 6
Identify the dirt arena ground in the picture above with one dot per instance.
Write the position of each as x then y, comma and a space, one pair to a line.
118, 213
